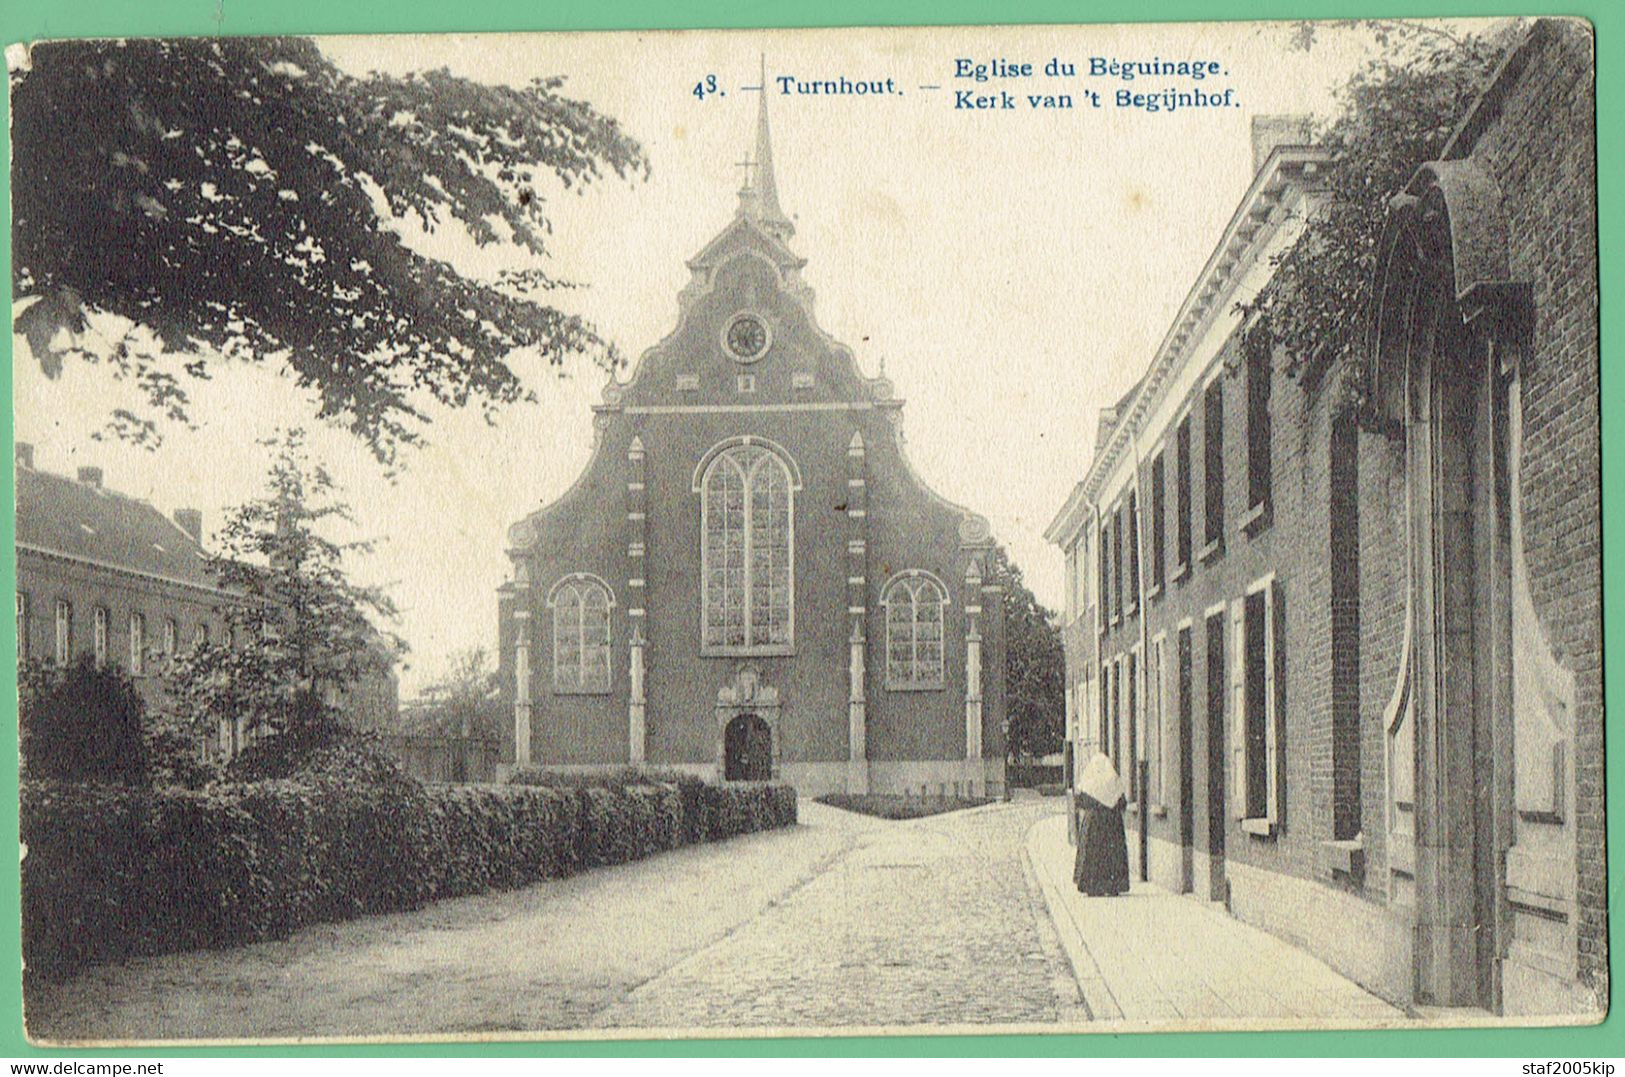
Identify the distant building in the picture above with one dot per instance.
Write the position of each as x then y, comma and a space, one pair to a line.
1361, 660
103, 574
749, 580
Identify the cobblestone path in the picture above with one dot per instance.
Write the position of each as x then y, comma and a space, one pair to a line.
843, 921
927, 923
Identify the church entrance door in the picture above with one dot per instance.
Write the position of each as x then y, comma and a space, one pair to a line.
747, 750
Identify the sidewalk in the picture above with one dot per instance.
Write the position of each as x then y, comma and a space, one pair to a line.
1164, 960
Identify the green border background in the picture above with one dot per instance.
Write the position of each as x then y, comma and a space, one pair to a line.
34, 19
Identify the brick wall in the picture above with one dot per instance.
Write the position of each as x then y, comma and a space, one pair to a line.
44, 580
1541, 151
1337, 543
1294, 544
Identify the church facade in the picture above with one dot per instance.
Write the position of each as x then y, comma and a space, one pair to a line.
749, 581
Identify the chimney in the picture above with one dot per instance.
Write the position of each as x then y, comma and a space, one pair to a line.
25, 455
91, 476
1274, 131
191, 521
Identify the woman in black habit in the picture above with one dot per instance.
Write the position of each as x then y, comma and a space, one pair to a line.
1102, 865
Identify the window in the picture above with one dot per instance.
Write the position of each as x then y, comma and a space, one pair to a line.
581, 607
1072, 606
99, 636
1102, 738
1117, 565
138, 644
1159, 525
1132, 535
1082, 579
1213, 466
200, 636
1184, 742
64, 632
22, 626
172, 634
1182, 497
1115, 728
1216, 814
1155, 710
1257, 685
1258, 426
1136, 742
1105, 576
914, 604
747, 552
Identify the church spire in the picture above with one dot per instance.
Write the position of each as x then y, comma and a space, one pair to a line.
760, 199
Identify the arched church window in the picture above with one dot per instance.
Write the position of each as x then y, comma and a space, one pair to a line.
914, 603
747, 551
581, 606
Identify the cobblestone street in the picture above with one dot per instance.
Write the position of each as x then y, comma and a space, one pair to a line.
930, 922
843, 921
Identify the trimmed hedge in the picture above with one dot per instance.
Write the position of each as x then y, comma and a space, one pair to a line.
707, 812
113, 871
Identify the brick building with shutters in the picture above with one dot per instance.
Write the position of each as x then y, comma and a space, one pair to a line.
1360, 657
749, 580
109, 576
106, 575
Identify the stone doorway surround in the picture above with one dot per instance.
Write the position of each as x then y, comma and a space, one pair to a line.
745, 694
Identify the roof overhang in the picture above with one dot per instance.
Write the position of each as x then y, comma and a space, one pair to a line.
1287, 170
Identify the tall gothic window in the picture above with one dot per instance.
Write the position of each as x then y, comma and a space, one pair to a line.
914, 605
99, 635
64, 632
747, 551
580, 635
23, 626
138, 644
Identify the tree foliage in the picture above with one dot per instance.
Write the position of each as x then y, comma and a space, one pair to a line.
300, 632
463, 702
1034, 669
1397, 112
81, 722
240, 197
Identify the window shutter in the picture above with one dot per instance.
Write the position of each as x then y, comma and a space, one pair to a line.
1238, 706
1272, 708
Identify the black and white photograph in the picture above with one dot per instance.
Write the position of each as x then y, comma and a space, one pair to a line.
764, 533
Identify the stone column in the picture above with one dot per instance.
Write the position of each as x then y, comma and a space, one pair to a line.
636, 708
637, 524
521, 688
973, 679
857, 599
857, 779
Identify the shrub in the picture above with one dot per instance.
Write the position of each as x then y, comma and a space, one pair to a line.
174, 758
114, 871
321, 747
81, 723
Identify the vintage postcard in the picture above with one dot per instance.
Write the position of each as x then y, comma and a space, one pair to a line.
469, 587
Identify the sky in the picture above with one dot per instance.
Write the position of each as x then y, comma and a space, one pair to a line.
1014, 270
